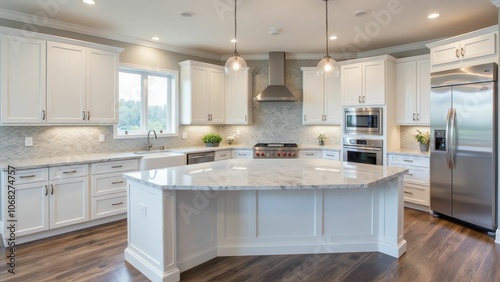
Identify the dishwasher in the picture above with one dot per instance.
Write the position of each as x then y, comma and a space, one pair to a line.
204, 157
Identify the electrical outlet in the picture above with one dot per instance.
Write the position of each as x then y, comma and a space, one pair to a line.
143, 209
184, 135
102, 138
28, 141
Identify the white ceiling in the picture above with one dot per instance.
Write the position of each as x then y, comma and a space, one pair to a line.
302, 22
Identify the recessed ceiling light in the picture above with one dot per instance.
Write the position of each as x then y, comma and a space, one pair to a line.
361, 12
433, 15
333, 37
155, 38
188, 14
90, 2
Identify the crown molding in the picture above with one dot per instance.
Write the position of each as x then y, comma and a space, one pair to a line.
496, 3
51, 23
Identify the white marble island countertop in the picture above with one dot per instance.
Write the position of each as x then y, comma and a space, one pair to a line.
274, 174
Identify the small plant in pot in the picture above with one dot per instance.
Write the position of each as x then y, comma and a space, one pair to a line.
423, 140
212, 140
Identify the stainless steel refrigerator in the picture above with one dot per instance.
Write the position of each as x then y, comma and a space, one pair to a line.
463, 144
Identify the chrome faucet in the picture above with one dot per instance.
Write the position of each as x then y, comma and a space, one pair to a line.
149, 142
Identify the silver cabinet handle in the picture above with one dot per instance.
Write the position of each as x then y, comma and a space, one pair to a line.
51, 189
117, 182
88, 115
83, 115
305, 117
408, 193
117, 166
413, 116
418, 116
310, 154
46, 190
462, 52
246, 118
27, 176
456, 53
409, 174
241, 154
359, 99
408, 161
364, 99
117, 204
72, 171
43, 115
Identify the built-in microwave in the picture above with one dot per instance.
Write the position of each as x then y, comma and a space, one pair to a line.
363, 121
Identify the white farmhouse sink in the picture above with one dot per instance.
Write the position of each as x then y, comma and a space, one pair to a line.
160, 159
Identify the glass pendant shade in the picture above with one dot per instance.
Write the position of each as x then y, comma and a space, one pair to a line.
235, 65
328, 65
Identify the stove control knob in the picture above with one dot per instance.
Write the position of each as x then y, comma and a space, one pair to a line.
262, 154
289, 154
279, 154
257, 154
293, 154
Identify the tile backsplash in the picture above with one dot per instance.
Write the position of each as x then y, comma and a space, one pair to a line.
408, 141
272, 122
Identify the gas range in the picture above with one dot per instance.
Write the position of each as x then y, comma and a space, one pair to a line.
275, 150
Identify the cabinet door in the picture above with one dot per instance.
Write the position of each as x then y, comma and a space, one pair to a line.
65, 83
238, 99
479, 46
199, 94
69, 202
406, 92
216, 96
313, 94
445, 54
424, 92
351, 84
333, 109
102, 85
32, 208
23, 78
374, 83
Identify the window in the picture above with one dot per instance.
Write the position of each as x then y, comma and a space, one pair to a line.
147, 100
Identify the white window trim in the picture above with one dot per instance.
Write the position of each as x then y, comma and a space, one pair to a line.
175, 100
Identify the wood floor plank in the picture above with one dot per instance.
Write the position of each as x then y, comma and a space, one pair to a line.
437, 250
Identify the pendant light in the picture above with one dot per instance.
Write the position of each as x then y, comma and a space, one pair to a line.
327, 64
235, 65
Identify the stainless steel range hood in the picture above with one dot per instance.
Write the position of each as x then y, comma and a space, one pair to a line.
276, 91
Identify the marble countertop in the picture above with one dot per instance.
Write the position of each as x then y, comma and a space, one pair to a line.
67, 160
269, 174
410, 153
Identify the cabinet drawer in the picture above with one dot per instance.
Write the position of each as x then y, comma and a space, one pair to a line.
417, 175
310, 154
417, 194
69, 171
242, 154
109, 205
397, 160
222, 155
104, 184
331, 155
115, 166
29, 175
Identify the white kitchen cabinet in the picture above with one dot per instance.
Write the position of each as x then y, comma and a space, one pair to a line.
413, 91
222, 155
203, 93
108, 187
238, 98
23, 78
316, 154
416, 180
473, 48
69, 201
81, 84
331, 155
242, 154
364, 83
321, 98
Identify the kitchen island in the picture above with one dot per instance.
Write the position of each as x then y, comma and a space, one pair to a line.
180, 217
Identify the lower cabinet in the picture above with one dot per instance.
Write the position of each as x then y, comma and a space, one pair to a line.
310, 154
222, 155
242, 154
331, 155
416, 181
109, 188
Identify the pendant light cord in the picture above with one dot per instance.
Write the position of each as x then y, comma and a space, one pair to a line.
235, 28
326, 5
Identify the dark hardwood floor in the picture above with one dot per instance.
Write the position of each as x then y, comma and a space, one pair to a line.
438, 250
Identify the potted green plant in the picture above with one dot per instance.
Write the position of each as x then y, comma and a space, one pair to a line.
423, 140
212, 140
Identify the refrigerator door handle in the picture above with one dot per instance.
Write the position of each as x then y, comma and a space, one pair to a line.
448, 139
453, 138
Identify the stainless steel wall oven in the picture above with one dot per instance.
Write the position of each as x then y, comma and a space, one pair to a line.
367, 151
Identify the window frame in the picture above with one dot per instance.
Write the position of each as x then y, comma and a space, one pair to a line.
173, 100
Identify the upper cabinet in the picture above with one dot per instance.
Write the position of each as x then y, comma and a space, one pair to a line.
203, 93
238, 99
64, 83
365, 82
321, 98
465, 50
413, 90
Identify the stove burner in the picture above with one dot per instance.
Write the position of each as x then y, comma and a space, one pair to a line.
275, 150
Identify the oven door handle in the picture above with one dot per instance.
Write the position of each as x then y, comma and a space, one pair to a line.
359, 148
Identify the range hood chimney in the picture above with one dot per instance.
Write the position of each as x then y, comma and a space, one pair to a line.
276, 91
